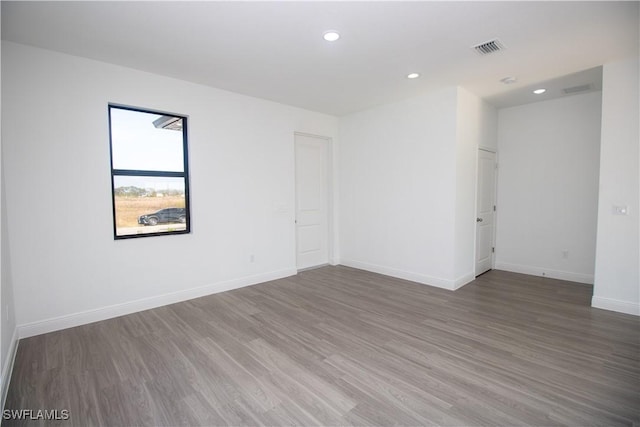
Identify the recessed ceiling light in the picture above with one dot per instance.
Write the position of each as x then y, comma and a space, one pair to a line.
508, 80
331, 36
413, 76
539, 91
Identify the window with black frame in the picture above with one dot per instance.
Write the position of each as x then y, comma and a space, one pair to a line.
149, 172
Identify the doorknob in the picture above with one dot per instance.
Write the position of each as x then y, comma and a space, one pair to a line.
478, 219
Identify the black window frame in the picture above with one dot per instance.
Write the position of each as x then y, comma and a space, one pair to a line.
146, 173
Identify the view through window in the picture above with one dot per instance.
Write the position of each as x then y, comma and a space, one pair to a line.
149, 172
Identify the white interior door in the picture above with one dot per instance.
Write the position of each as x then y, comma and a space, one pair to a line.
486, 211
312, 201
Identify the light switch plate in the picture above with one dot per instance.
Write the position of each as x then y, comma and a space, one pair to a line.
620, 210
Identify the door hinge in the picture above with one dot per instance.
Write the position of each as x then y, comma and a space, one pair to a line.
494, 208
493, 250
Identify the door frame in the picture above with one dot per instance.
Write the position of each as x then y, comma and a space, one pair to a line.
495, 215
331, 202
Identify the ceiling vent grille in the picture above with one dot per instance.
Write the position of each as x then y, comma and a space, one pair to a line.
576, 89
491, 46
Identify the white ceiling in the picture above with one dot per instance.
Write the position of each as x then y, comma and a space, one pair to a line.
275, 50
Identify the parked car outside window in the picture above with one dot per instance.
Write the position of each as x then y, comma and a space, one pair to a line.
164, 216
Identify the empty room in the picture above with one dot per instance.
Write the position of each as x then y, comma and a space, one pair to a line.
320, 213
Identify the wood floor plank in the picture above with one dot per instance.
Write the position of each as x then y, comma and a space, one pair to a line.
340, 346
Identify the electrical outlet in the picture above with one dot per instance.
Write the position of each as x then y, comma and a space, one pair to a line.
565, 254
252, 258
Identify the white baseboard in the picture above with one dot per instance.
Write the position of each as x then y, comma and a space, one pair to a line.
8, 366
545, 272
464, 280
626, 307
103, 313
401, 274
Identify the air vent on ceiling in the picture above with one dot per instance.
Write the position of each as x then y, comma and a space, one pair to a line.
491, 46
576, 89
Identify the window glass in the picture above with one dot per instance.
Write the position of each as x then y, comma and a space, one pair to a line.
149, 173
137, 144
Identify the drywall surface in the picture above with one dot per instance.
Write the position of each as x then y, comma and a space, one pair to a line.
476, 126
67, 268
407, 186
397, 188
8, 333
617, 279
548, 187
8, 336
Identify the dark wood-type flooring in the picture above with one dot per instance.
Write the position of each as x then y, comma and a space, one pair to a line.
339, 346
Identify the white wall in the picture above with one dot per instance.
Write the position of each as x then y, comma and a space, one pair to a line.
548, 187
66, 267
476, 126
8, 338
617, 279
8, 330
397, 188
407, 186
